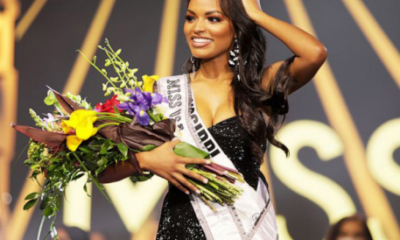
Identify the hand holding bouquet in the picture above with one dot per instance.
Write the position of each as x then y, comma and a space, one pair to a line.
127, 136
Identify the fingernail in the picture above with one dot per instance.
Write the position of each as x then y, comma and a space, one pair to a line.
198, 191
205, 180
208, 162
187, 192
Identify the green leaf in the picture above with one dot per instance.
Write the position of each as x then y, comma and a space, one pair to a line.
96, 144
30, 204
48, 211
103, 149
56, 160
141, 178
186, 150
77, 176
123, 149
107, 145
51, 167
85, 188
148, 148
101, 162
29, 162
33, 195
85, 149
35, 166
58, 202
50, 99
116, 110
44, 203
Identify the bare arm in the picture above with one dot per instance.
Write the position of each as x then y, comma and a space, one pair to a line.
310, 53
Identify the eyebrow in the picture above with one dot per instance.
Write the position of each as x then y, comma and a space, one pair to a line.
207, 13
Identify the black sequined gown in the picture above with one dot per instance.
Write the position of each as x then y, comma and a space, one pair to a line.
178, 219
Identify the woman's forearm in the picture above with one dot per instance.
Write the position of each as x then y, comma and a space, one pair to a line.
301, 43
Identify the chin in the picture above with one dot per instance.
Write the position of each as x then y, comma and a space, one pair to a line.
204, 54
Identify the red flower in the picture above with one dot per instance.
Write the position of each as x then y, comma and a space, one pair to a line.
109, 105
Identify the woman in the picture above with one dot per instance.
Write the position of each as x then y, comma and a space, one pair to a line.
229, 90
350, 228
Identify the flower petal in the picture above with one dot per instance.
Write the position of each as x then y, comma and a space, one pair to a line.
84, 129
156, 98
73, 142
143, 118
149, 82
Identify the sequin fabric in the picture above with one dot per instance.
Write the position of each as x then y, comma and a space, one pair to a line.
178, 219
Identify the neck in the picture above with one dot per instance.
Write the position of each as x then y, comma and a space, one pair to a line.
215, 69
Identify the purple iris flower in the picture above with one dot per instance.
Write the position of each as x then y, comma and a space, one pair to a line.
140, 102
143, 118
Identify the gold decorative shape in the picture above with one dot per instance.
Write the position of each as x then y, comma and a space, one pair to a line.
376, 36
372, 197
28, 18
92, 39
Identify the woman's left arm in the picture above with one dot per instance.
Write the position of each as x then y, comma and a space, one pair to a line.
310, 53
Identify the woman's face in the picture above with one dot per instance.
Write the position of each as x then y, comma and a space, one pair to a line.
208, 32
351, 230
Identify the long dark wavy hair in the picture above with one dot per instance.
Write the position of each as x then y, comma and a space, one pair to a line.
249, 96
334, 231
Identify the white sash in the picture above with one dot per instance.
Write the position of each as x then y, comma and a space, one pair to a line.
252, 216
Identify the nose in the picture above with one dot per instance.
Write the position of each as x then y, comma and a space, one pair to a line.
199, 26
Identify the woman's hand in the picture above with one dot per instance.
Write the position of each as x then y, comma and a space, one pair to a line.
163, 162
253, 8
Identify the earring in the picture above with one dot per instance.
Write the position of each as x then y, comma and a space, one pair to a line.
234, 58
193, 60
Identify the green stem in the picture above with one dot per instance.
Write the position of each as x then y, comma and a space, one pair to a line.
209, 204
113, 63
204, 189
98, 69
92, 178
151, 115
40, 228
120, 120
107, 124
120, 59
115, 115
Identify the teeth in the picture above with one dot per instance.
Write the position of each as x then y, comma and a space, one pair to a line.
201, 40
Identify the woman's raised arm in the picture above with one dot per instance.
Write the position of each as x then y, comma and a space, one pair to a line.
309, 53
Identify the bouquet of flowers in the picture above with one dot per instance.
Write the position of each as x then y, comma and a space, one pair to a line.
76, 139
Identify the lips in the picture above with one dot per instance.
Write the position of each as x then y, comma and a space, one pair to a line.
200, 41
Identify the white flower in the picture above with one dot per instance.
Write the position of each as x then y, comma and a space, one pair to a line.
178, 134
160, 108
122, 98
49, 120
53, 232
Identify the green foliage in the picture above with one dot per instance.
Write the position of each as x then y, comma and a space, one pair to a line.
50, 99
61, 168
186, 150
123, 77
141, 178
78, 100
38, 120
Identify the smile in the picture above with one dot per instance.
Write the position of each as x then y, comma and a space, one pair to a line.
200, 42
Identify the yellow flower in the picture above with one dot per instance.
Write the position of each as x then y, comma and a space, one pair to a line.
65, 128
149, 82
82, 121
73, 142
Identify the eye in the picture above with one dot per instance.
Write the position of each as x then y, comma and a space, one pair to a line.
189, 18
214, 19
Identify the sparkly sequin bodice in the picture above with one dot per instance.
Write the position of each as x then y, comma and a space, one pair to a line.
178, 219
